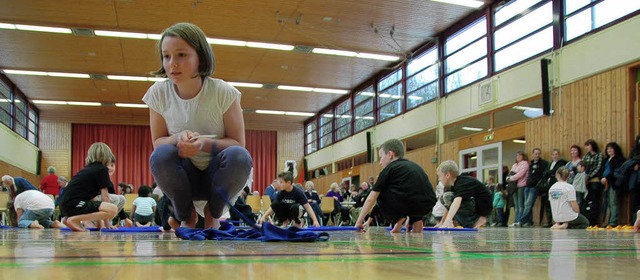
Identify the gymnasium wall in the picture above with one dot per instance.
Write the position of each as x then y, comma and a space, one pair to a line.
601, 52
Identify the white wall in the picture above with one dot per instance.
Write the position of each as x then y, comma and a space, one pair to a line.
606, 49
17, 151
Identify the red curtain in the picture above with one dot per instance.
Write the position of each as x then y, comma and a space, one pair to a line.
132, 147
262, 145
130, 144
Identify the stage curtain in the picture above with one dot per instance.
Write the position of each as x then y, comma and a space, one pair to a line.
262, 145
130, 144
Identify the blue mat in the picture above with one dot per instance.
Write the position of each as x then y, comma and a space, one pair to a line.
330, 228
442, 229
123, 229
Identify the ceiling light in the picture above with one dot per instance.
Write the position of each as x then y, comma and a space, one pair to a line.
131, 105
295, 88
76, 103
249, 85
226, 42
378, 56
270, 112
334, 52
120, 34
280, 47
466, 3
414, 97
22, 72
7, 26
43, 28
304, 114
154, 36
156, 79
366, 93
524, 108
127, 78
49, 102
519, 141
472, 128
69, 75
329, 90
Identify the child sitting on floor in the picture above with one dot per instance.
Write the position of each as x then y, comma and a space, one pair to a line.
564, 207
76, 203
144, 207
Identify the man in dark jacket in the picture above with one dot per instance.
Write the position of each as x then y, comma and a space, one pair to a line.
548, 179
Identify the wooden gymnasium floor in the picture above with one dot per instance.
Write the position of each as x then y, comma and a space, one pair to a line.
491, 253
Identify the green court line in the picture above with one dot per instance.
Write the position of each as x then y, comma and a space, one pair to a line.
461, 256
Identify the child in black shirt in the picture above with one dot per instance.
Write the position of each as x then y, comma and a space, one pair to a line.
76, 203
287, 204
402, 190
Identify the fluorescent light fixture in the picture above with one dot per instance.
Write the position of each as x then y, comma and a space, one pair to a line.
154, 36
519, 141
156, 79
43, 28
472, 128
304, 114
77, 103
524, 108
329, 90
4, 100
119, 34
334, 52
69, 75
22, 72
280, 47
378, 56
226, 42
295, 88
7, 26
249, 85
364, 118
414, 97
270, 112
386, 95
42, 73
466, 3
131, 105
127, 78
49, 102
366, 93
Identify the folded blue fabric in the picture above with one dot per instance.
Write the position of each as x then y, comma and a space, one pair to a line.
266, 233
330, 228
133, 229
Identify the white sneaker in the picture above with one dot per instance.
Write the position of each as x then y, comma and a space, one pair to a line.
515, 225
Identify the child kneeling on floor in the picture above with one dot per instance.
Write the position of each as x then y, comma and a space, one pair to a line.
287, 205
144, 207
564, 207
76, 203
34, 210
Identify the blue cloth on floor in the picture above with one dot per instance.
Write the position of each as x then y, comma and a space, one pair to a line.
266, 233
89, 229
330, 228
133, 229
441, 229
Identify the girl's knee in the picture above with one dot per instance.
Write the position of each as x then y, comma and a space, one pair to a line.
239, 156
162, 154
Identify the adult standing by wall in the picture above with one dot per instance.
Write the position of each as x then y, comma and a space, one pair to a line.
49, 184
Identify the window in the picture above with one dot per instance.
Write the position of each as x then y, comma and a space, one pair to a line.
522, 37
422, 79
33, 126
465, 54
5, 104
20, 116
363, 109
390, 95
343, 120
311, 137
326, 128
581, 20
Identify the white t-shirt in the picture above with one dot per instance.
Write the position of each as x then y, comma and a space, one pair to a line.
202, 114
144, 205
33, 200
560, 196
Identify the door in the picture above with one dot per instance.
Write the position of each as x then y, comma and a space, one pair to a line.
482, 162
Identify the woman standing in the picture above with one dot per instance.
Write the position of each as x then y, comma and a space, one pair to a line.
595, 167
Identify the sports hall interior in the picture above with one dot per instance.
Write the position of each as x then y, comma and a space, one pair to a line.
335, 80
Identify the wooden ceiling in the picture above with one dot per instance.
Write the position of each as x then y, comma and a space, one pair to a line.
362, 26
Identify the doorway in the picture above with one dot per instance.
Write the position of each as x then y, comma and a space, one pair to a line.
482, 162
